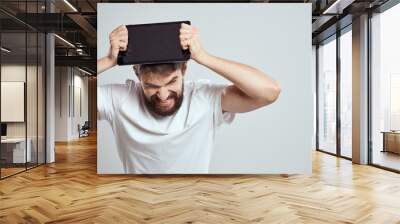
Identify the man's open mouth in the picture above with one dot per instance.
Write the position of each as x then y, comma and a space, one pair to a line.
165, 104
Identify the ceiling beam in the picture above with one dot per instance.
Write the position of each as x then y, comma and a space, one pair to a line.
86, 26
81, 61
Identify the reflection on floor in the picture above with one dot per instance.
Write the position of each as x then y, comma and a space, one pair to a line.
386, 159
11, 169
347, 152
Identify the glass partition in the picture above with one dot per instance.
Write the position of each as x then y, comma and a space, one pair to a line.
385, 89
327, 96
22, 66
14, 154
346, 94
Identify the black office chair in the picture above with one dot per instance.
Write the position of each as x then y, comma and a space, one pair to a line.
84, 130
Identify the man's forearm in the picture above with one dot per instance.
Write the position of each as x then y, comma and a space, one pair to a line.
249, 80
104, 63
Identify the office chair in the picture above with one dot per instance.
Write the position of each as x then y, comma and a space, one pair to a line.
84, 130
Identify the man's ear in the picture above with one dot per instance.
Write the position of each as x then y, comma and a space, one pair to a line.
183, 68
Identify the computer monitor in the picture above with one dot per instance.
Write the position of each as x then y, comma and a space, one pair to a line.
3, 129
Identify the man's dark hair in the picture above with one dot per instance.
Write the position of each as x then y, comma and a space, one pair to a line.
156, 68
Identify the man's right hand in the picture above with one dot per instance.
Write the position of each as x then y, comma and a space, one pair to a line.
118, 42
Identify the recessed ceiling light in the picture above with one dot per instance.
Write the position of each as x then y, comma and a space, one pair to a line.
86, 72
64, 40
70, 5
5, 50
338, 6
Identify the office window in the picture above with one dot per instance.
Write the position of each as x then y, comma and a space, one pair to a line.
346, 94
385, 88
327, 96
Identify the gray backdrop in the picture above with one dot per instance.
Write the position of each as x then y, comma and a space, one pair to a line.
275, 38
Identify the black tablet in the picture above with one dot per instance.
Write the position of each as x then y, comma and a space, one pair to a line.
153, 43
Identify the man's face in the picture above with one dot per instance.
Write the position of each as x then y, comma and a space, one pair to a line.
163, 92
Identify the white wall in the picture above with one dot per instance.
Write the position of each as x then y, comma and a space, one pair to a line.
275, 38
61, 103
33, 127
16, 72
66, 81
81, 81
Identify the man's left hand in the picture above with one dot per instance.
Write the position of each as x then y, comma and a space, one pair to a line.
189, 39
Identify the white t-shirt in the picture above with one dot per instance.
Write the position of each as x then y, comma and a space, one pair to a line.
180, 143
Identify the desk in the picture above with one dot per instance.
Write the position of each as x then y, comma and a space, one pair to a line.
13, 150
391, 141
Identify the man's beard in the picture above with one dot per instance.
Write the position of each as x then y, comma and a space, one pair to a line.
154, 100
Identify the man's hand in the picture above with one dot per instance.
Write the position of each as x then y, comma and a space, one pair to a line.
189, 39
118, 42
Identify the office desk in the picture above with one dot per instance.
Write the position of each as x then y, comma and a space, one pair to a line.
391, 141
13, 150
